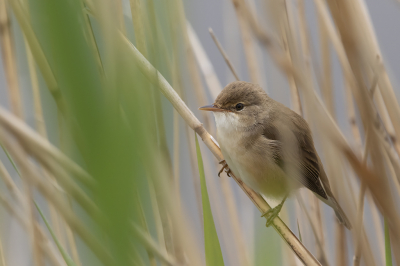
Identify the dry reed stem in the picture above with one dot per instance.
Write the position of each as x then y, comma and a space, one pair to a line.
120, 15
142, 24
72, 245
351, 197
351, 113
2, 258
378, 191
41, 128
42, 148
17, 127
348, 70
177, 83
378, 227
9, 60
318, 237
31, 173
243, 252
224, 54
46, 245
359, 234
363, 36
213, 84
228, 237
369, 258
193, 164
180, 226
52, 256
199, 91
40, 123
154, 76
152, 247
157, 217
360, 210
326, 88
380, 105
328, 96
91, 38
341, 251
178, 247
292, 43
12, 188
315, 220
294, 91
10, 67
37, 52
176, 150
392, 174
248, 43
19, 198
364, 101
347, 32
143, 221
137, 20
73, 189
38, 259
197, 85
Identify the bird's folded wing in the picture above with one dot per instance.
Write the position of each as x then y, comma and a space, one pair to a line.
302, 166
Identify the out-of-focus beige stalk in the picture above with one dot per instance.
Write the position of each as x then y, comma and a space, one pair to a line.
9, 60
224, 54
248, 43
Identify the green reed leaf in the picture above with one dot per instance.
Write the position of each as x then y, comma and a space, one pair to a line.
64, 254
211, 242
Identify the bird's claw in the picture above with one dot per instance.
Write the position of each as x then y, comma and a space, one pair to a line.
224, 166
271, 214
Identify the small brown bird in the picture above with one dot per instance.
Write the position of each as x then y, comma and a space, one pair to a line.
269, 147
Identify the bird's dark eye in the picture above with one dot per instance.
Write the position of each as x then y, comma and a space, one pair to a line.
239, 106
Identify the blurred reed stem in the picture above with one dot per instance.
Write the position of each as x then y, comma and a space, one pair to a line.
224, 54
18, 154
37, 52
9, 60
2, 259
248, 43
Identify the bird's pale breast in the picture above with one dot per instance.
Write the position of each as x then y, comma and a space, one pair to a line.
249, 161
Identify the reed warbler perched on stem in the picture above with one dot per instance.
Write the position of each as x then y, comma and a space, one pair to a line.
269, 147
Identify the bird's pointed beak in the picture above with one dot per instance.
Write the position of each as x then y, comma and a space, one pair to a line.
212, 108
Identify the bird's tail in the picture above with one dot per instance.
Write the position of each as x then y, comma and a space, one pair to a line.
331, 201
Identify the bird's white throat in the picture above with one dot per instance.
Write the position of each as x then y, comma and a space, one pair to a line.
227, 121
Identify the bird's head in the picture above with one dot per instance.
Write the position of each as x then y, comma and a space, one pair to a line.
239, 104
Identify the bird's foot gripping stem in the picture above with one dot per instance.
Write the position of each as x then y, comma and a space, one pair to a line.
271, 214
226, 167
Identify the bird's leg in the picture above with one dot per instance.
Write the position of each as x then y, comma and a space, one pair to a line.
271, 214
224, 166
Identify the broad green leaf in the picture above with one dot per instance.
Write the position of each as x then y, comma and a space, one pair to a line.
211, 242
65, 255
